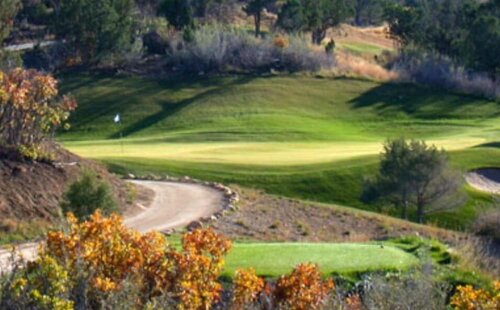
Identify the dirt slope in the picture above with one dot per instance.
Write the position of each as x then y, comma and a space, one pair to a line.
33, 190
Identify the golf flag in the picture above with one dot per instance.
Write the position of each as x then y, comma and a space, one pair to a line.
117, 118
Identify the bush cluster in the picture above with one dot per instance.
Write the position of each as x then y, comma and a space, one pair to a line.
220, 49
439, 71
88, 194
101, 264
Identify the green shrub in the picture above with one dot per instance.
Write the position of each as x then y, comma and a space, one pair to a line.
88, 194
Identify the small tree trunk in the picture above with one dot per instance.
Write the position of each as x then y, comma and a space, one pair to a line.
404, 212
318, 35
257, 20
420, 211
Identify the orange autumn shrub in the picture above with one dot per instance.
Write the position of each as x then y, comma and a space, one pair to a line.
281, 42
303, 289
354, 302
30, 109
199, 267
468, 298
114, 254
247, 286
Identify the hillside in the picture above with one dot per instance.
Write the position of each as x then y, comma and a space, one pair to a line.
306, 137
31, 190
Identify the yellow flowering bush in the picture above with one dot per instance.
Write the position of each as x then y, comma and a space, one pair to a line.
91, 262
29, 109
468, 298
247, 286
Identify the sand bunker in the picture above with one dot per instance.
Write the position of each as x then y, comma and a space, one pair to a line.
487, 179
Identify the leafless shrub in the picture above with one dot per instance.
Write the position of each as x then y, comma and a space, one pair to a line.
487, 224
439, 71
410, 292
479, 255
217, 48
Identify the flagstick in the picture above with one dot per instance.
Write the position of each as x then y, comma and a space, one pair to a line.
121, 136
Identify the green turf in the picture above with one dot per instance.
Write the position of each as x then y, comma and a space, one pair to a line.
274, 259
298, 136
359, 48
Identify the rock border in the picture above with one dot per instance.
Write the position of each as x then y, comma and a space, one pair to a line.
230, 201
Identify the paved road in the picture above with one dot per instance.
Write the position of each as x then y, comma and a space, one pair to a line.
175, 205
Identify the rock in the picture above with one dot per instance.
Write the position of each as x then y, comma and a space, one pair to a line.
18, 170
167, 232
228, 192
185, 179
231, 207
195, 225
213, 218
219, 186
130, 176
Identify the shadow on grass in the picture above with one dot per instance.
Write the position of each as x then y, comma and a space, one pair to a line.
495, 145
107, 95
171, 108
422, 102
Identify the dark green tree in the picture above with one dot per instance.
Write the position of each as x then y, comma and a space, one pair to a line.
179, 13
403, 22
368, 12
255, 8
291, 16
95, 28
466, 31
413, 173
484, 36
320, 15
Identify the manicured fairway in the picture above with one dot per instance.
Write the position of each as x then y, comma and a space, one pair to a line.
247, 153
274, 259
297, 136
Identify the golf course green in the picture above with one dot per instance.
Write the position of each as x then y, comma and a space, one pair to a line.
306, 137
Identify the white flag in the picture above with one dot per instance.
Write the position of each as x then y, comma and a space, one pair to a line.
117, 118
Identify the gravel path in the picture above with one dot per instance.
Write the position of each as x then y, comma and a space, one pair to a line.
487, 180
174, 205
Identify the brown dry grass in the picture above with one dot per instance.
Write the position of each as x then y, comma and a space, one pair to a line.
371, 35
265, 217
351, 65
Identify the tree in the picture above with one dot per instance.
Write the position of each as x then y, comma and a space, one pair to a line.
367, 12
291, 16
95, 28
412, 173
254, 8
402, 22
320, 15
8, 11
178, 13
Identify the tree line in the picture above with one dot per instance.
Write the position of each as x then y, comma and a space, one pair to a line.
466, 31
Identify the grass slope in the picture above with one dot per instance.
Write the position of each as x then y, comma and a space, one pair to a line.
304, 137
275, 259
